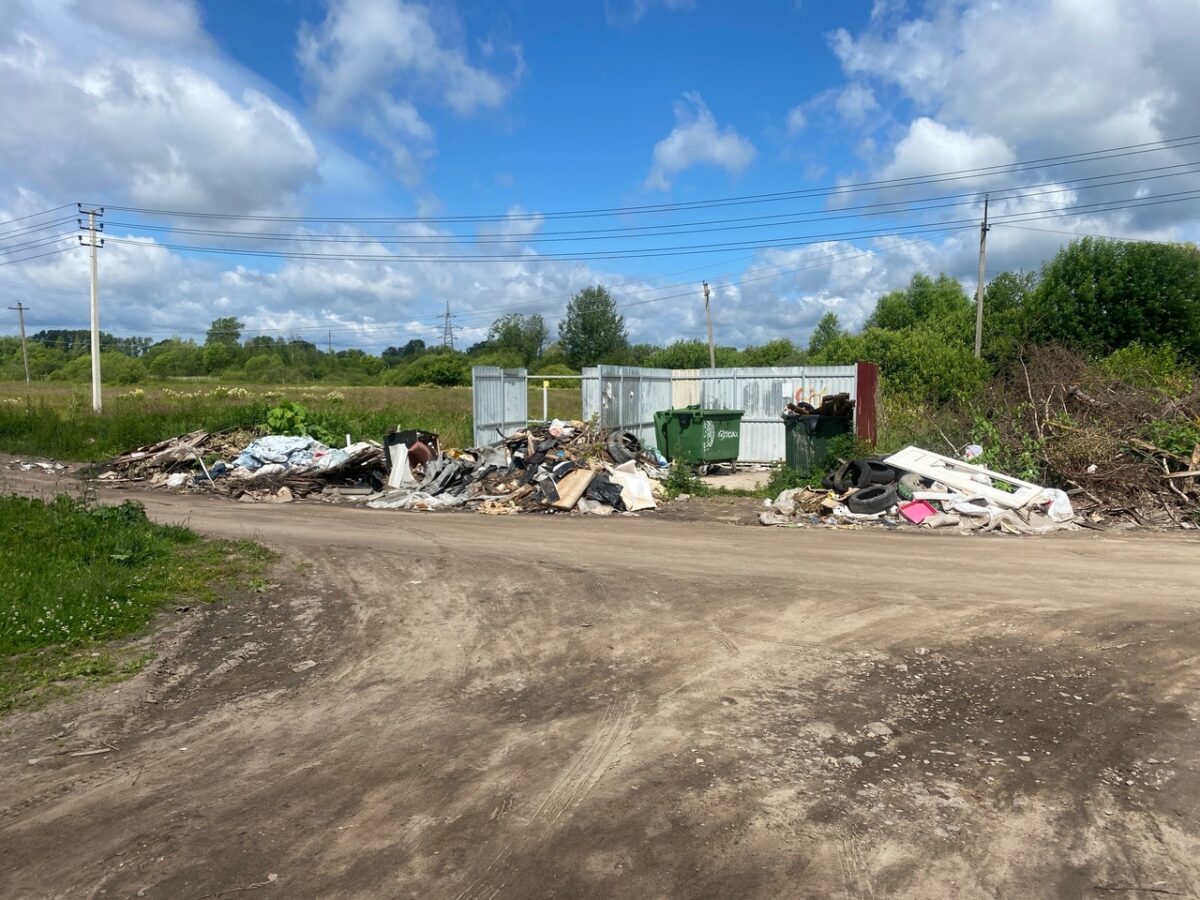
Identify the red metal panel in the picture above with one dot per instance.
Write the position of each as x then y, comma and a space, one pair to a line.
866, 402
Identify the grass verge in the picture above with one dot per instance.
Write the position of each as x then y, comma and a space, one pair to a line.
58, 423
76, 577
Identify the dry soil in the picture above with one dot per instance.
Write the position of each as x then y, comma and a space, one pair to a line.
456, 706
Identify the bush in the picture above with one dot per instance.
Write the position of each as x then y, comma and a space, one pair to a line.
1153, 368
438, 369
115, 368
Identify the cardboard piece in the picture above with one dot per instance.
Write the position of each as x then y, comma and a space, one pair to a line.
571, 487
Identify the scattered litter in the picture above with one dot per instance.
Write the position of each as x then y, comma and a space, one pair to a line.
558, 467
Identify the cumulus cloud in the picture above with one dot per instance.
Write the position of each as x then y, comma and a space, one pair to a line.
930, 146
697, 139
369, 63
161, 128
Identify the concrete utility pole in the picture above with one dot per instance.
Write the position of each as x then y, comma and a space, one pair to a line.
712, 350
19, 309
95, 243
983, 230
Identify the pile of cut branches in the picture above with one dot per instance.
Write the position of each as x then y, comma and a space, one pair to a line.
1122, 448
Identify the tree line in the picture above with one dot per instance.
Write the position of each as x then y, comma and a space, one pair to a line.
1095, 296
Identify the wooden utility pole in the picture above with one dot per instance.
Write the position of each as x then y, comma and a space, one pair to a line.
712, 351
95, 243
19, 309
983, 230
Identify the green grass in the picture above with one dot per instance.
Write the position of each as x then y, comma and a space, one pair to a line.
75, 577
57, 421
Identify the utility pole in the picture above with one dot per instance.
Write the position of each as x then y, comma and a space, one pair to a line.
448, 328
983, 230
19, 309
330, 342
712, 351
95, 242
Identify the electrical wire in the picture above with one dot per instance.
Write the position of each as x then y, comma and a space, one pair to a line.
909, 181
44, 212
850, 212
652, 252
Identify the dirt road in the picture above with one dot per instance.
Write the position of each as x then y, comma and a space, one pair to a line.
569, 707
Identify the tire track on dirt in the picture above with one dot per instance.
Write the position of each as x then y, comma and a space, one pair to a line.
601, 753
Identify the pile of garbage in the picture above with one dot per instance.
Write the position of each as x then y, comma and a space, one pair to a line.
922, 489
557, 467
560, 466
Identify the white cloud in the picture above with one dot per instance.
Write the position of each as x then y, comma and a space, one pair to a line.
630, 12
854, 102
167, 127
796, 120
696, 139
371, 61
929, 146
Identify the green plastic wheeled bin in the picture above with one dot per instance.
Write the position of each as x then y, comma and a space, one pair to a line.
806, 444
701, 436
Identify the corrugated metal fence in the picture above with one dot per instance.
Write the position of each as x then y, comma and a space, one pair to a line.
499, 402
628, 396
761, 393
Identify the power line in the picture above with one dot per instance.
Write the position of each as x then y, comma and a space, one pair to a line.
11, 262
683, 228
908, 181
1107, 237
648, 252
36, 214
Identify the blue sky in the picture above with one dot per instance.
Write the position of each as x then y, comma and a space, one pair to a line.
266, 116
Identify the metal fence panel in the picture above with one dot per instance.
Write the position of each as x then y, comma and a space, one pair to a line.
630, 396
500, 402
590, 383
761, 392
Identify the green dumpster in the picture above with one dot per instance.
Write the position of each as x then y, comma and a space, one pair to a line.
697, 435
806, 446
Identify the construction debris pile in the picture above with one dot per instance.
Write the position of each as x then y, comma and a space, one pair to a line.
560, 467
923, 489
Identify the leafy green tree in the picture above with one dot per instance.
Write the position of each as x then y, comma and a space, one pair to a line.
226, 330
939, 304
779, 352
592, 328
1099, 295
691, 355
525, 336
829, 328
1006, 308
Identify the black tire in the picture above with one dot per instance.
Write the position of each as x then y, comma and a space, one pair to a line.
875, 498
874, 471
622, 446
827, 480
844, 478
912, 481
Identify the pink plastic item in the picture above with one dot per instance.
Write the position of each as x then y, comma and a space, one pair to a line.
917, 511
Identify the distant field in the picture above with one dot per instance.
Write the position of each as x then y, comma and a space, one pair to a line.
56, 420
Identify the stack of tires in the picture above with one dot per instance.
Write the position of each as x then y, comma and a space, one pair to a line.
876, 485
